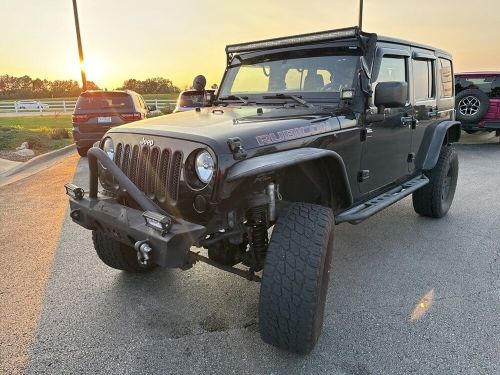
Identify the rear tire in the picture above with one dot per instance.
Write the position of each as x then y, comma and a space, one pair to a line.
435, 198
295, 278
117, 255
82, 151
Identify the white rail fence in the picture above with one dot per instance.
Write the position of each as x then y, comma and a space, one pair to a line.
63, 106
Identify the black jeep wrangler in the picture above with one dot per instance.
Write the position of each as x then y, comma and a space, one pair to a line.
305, 132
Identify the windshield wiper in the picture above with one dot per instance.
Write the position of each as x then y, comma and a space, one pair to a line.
293, 97
242, 99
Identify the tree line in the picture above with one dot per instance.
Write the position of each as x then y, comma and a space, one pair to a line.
25, 87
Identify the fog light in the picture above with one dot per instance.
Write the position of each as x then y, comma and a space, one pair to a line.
157, 221
74, 191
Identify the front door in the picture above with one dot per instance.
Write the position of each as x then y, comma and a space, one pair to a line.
385, 151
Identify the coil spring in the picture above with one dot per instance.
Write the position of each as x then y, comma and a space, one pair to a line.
257, 221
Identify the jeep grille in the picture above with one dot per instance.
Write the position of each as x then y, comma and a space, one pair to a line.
154, 171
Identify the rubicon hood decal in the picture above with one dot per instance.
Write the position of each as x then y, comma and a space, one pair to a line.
294, 133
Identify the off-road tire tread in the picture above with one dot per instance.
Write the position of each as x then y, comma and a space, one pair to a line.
291, 303
117, 255
427, 200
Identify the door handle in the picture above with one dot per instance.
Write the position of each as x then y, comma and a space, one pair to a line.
409, 121
406, 120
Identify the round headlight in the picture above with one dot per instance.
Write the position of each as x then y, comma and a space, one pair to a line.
109, 148
204, 166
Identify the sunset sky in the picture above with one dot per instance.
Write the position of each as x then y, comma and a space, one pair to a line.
180, 39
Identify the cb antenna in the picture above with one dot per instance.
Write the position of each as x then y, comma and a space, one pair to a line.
360, 22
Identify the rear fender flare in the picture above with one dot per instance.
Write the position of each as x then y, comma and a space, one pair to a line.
283, 159
436, 135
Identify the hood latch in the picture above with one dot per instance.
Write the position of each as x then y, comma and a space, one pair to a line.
236, 147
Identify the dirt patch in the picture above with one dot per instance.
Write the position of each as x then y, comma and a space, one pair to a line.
215, 322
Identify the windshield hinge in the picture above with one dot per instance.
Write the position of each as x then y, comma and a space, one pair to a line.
236, 147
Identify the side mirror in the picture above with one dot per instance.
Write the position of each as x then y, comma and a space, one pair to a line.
151, 108
193, 99
391, 94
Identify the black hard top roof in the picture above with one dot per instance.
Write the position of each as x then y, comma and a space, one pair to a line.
319, 37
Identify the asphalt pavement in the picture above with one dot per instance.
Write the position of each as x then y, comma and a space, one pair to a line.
31, 216
407, 295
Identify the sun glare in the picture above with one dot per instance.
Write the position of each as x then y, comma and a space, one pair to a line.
94, 69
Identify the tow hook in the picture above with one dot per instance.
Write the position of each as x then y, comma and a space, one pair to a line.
143, 249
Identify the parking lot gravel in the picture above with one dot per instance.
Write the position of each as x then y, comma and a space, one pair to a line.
407, 295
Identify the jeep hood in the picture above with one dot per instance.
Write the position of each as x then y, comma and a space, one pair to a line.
213, 126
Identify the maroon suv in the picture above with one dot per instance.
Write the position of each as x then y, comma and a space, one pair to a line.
477, 101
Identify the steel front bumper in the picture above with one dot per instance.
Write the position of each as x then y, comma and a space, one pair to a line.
170, 248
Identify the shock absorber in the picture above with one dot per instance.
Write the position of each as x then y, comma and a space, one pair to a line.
257, 223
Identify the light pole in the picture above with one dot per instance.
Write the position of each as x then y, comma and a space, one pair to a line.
80, 50
360, 22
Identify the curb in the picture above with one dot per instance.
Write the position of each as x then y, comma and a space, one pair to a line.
35, 165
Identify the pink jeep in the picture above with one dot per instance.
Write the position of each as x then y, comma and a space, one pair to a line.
477, 101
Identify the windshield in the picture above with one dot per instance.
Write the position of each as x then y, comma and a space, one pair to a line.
308, 76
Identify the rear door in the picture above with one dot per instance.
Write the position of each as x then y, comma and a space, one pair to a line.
423, 65
385, 151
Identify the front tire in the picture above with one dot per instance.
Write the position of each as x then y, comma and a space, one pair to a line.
117, 255
435, 198
295, 278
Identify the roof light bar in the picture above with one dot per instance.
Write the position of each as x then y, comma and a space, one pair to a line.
317, 37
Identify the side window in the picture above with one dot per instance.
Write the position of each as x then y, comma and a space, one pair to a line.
141, 102
446, 74
423, 79
392, 69
495, 89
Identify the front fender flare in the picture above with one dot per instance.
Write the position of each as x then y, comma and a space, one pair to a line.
279, 160
434, 138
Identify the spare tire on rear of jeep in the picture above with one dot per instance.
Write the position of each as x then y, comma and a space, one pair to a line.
471, 105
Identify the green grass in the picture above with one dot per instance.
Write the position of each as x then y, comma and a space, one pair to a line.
34, 130
37, 122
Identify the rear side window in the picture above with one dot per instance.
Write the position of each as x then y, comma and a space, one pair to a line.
142, 103
446, 74
423, 79
495, 89
103, 101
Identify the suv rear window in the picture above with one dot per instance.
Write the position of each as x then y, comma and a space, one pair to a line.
488, 85
104, 100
